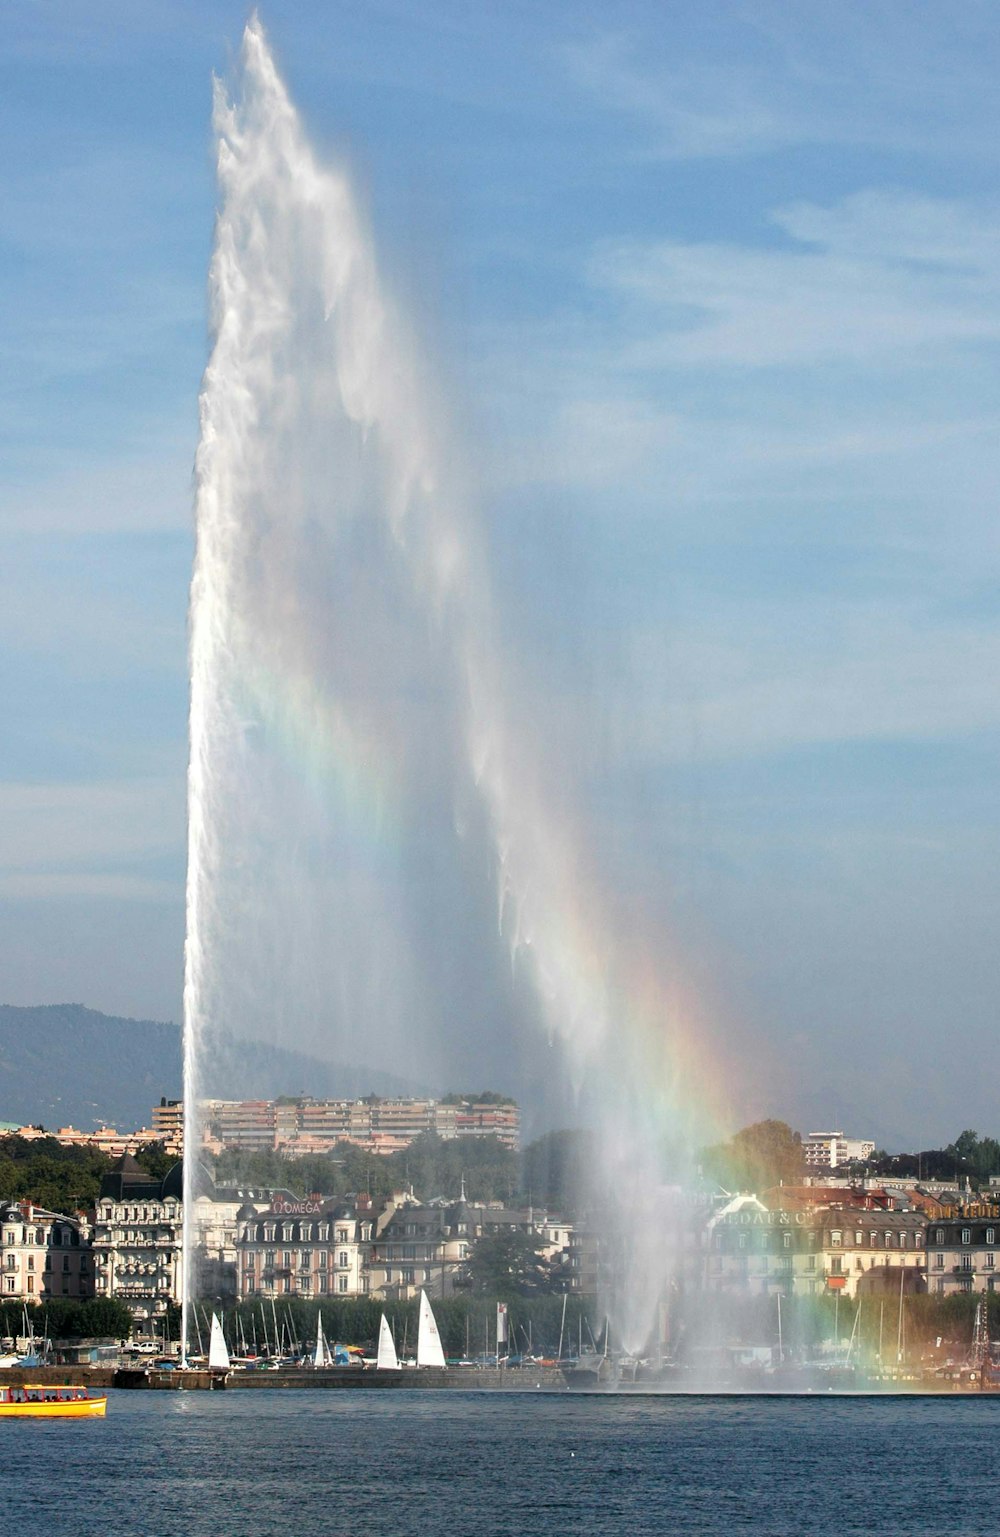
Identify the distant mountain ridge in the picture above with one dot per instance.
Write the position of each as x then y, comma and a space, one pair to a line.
63, 1064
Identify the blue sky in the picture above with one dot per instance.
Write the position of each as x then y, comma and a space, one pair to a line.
714, 294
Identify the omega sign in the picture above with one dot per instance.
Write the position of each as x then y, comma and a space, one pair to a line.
283, 1208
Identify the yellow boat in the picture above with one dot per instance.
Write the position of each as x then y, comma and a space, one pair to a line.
45, 1401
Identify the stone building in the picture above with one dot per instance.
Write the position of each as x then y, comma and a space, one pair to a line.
748, 1247
305, 1248
137, 1241
314, 1248
45, 1254
962, 1251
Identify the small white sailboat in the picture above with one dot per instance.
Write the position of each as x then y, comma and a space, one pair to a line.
429, 1351
322, 1355
387, 1358
218, 1350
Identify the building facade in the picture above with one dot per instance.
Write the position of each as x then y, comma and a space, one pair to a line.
45, 1255
300, 1126
749, 1248
304, 1248
137, 1241
962, 1251
831, 1150
316, 1248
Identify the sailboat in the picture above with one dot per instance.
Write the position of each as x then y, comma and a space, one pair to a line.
322, 1355
429, 1351
387, 1358
218, 1350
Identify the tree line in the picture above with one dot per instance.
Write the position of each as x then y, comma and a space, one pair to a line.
770, 1153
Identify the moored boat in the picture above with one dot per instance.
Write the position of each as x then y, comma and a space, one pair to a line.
51, 1401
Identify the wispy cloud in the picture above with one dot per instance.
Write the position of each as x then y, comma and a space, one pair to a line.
737, 82
881, 275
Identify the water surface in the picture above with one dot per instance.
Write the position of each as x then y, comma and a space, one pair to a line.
399, 1464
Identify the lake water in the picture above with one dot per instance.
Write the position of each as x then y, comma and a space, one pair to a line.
392, 1464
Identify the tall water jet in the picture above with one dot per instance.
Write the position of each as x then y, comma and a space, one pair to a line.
332, 544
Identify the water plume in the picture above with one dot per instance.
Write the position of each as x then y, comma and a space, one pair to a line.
336, 571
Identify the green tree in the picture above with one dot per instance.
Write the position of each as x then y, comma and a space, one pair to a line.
155, 1159
508, 1264
764, 1154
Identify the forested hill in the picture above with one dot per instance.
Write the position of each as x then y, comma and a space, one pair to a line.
63, 1064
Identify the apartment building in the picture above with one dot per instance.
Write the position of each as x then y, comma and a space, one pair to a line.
298, 1126
45, 1254
831, 1149
747, 1247
962, 1251
137, 1237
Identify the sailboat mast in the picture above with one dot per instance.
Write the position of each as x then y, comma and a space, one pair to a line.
899, 1327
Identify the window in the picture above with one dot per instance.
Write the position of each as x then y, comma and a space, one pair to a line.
286, 1259
324, 1232
31, 1262
342, 1234
966, 1262
10, 1283
991, 1235
342, 1283
306, 1260
966, 1235
988, 1261
939, 1235
859, 1239
939, 1262
786, 1239
743, 1240
65, 1263
836, 1239
810, 1262
269, 1258
322, 1283
342, 1260
836, 1265
250, 1283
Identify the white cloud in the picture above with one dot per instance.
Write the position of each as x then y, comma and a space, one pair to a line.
880, 276
734, 82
